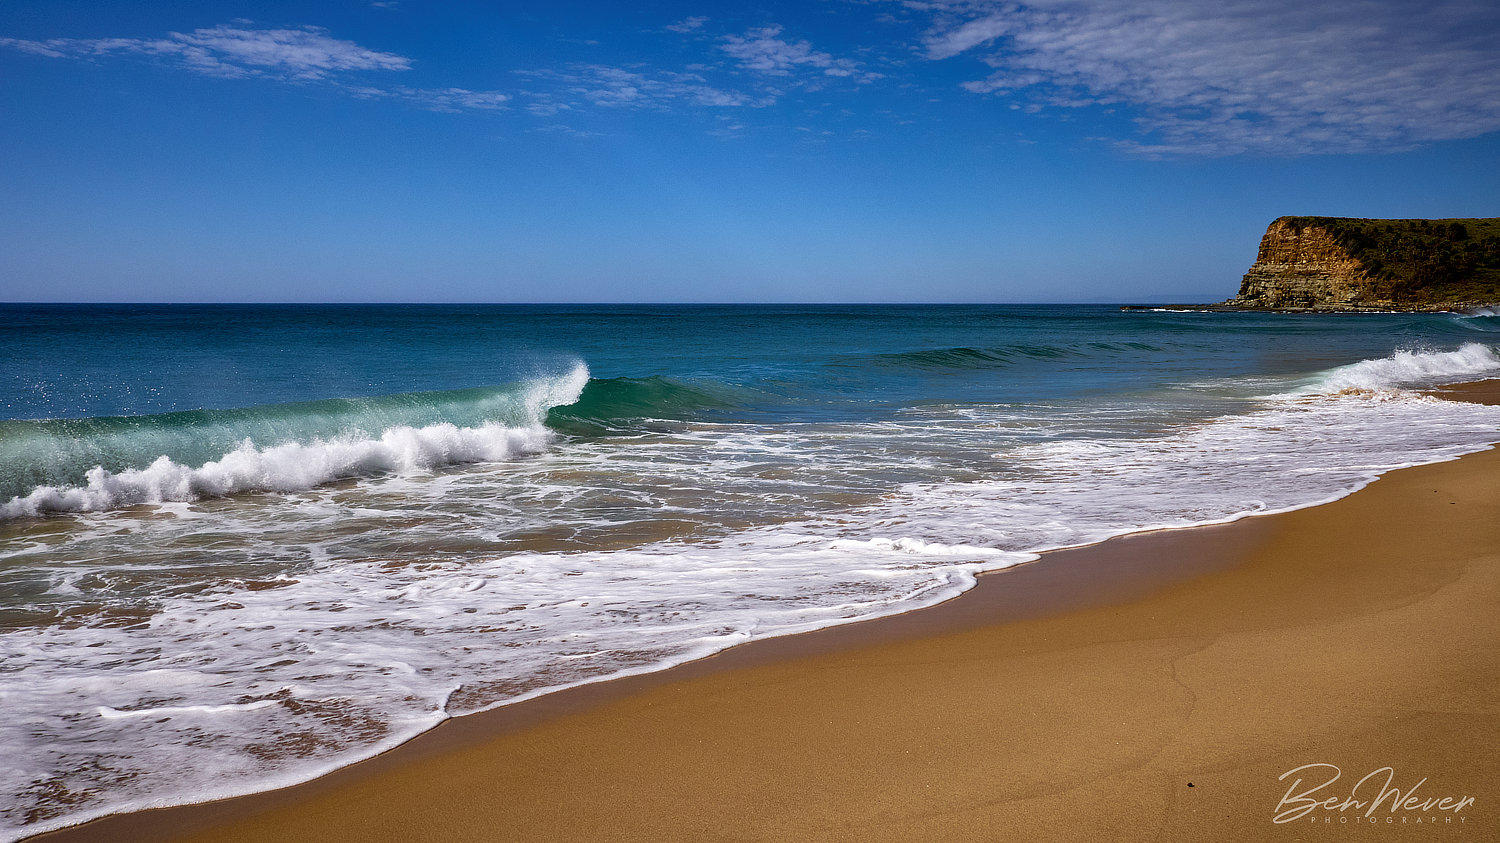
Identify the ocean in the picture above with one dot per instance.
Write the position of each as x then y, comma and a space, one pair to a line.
244, 545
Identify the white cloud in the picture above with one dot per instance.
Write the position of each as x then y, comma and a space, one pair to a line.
603, 85
761, 68
688, 25
1261, 76
762, 50
306, 53
751, 70
36, 48
438, 99
953, 41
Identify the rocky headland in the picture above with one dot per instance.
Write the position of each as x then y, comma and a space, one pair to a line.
1344, 264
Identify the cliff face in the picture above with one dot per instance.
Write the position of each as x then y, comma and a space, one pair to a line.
1339, 263
1305, 267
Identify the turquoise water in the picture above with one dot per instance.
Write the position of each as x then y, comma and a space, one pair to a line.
256, 543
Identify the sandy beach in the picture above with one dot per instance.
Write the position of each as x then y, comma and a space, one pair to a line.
1153, 687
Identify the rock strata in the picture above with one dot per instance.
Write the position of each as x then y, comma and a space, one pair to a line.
1306, 268
1340, 264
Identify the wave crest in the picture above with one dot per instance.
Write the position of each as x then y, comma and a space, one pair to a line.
296, 466
1412, 368
605, 403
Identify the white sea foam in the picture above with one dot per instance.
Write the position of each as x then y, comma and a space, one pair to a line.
170, 711
364, 641
1412, 368
297, 466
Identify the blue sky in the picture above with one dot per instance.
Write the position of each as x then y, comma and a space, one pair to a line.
826, 150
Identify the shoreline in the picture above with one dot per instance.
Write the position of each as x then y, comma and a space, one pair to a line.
1071, 592
1111, 571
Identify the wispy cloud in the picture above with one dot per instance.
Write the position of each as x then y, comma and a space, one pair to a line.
581, 85
311, 55
1260, 76
763, 50
689, 24
1282, 77
305, 54
750, 70
437, 99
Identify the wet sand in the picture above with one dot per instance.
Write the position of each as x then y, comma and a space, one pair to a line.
1152, 687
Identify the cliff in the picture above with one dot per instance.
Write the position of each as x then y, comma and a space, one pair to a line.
1338, 264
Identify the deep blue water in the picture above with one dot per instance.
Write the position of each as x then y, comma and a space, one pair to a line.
73, 361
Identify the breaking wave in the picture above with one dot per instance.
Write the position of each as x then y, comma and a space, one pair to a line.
1412, 368
81, 465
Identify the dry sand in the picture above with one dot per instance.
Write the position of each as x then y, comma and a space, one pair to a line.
1149, 688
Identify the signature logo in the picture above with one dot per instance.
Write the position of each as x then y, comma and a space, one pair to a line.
1377, 791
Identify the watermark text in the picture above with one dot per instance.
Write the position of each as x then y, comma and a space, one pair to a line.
1376, 792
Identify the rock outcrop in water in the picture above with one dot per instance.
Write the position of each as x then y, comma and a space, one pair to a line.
1342, 264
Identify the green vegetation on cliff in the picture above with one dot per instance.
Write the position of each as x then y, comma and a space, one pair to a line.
1421, 261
